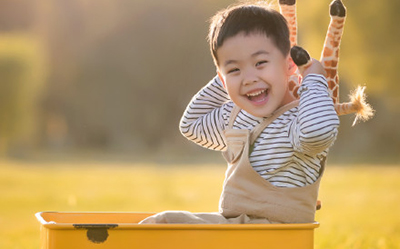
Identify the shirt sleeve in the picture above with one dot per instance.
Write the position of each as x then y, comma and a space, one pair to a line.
317, 123
203, 122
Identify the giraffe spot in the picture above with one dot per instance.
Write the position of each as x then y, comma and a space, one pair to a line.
331, 84
340, 21
330, 73
292, 85
327, 52
336, 44
340, 26
330, 63
296, 89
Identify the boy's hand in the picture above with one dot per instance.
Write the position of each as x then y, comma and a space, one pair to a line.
305, 63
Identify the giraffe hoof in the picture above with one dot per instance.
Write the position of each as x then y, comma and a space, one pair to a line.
337, 8
287, 2
299, 55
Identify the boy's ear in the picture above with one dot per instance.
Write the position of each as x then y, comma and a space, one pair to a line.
221, 78
291, 66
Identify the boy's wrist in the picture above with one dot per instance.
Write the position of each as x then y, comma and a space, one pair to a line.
315, 67
315, 77
312, 80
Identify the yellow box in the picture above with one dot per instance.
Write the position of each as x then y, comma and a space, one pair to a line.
62, 230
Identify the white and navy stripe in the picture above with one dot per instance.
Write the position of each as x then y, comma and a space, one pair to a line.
288, 153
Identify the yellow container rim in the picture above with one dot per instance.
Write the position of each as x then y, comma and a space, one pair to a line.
51, 224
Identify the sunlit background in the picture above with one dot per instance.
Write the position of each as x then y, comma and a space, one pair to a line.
106, 81
113, 77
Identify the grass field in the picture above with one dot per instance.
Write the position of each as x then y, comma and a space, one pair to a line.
361, 204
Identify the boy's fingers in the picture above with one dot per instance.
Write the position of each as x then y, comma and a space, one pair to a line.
300, 56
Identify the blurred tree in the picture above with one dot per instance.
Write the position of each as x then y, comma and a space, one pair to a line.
22, 70
124, 75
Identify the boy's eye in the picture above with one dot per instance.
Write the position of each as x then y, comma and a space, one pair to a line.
261, 63
234, 70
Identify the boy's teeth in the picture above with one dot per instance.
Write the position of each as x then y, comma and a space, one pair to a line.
255, 93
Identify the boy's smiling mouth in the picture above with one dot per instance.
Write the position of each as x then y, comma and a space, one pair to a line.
258, 96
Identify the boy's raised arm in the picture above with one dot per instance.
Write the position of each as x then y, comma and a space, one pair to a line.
317, 123
202, 122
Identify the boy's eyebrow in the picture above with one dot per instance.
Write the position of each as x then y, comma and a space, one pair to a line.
230, 62
259, 52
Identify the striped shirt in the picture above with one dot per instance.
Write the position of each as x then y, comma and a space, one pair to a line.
290, 151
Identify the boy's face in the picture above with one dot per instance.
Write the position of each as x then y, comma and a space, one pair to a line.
255, 73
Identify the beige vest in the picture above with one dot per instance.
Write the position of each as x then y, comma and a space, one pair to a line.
246, 192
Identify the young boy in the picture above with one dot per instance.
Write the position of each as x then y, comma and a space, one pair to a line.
275, 146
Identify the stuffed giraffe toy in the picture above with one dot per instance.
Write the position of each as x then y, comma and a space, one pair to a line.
329, 59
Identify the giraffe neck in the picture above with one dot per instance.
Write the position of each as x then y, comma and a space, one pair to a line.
330, 51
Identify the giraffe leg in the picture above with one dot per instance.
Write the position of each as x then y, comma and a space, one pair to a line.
330, 60
288, 10
330, 51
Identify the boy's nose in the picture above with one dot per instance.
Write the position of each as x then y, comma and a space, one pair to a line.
250, 79
249, 76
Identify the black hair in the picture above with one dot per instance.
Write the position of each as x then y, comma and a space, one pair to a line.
248, 18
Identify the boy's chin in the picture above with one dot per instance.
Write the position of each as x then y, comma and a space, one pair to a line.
260, 114
259, 111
